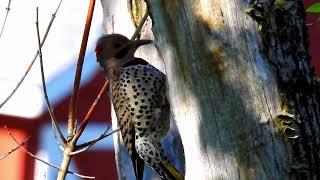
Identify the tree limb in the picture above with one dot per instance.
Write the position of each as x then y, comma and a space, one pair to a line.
41, 160
76, 85
88, 115
144, 18
53, 119
82, 147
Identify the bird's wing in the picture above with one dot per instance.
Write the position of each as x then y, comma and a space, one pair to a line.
121, 106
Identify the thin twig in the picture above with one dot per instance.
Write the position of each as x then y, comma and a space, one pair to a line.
53, 119
144, 18
56, 138
43, 161
16, 148
6, 17
34, 58
87, 145
74, 98
90, 112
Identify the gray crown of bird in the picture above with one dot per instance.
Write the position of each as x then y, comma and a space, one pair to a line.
138, 92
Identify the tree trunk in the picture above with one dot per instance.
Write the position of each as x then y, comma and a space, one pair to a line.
242, 92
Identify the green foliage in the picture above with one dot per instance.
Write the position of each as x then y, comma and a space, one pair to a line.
314, 8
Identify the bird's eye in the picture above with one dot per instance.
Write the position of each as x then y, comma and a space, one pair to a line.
116, 45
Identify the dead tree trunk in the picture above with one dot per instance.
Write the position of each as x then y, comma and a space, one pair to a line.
242, 92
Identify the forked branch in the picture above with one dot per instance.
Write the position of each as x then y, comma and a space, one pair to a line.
74, 98
41, 160
144, 18
16, 148
53, 119
89, 114
82, 147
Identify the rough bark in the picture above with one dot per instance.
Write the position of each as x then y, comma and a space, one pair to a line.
241, 89
243, 95
285, 39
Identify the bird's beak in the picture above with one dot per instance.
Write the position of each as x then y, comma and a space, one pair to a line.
137, 43
131, 45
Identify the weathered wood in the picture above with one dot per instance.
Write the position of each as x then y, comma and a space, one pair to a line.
242, 92
238, 86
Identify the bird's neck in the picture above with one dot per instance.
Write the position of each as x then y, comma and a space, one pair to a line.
113, 67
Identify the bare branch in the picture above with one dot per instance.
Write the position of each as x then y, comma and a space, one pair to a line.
53, 119
6, 17
34, 58
87, 145
43, 161
56, 167
61, 147
144, 18
16, 148
90, 112
76, 85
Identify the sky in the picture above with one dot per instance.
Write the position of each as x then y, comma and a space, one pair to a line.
18, 46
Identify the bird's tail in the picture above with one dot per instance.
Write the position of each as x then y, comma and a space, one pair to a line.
171, 171
138, 165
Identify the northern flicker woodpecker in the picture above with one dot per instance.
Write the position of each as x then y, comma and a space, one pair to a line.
138, 93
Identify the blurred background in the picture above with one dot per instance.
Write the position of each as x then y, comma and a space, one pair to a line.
25, 114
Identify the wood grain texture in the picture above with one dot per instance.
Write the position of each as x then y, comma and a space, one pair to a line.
241, 89
237, 88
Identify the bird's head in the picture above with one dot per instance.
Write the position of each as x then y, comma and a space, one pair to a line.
115, 50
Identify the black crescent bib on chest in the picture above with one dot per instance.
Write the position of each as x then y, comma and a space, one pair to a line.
136, 61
